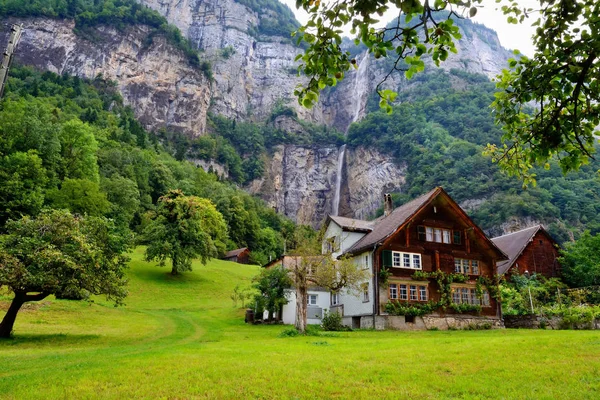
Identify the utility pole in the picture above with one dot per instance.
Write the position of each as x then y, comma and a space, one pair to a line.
15, 35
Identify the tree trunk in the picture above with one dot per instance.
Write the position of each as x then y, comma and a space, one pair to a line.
6, 326
174, 269
301, 305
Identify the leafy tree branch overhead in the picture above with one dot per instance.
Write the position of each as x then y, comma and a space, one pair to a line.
560, 80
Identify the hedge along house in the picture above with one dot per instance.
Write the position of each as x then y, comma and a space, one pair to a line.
431, 266
530, 250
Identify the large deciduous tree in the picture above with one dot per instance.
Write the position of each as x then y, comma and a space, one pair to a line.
560, 80
62, 254
184, 228
580, 261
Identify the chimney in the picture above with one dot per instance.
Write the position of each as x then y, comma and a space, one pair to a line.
388, 206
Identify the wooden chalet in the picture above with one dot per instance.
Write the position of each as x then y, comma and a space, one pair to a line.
428, 234
530, 250
241, 256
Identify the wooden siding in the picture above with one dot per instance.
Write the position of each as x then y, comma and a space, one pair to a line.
540, 257
440, 256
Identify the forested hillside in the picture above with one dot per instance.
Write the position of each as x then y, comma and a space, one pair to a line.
69, 143
439, 129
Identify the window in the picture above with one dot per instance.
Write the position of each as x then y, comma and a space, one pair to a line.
446, 236
467, 267
456, 237
437, 235
413, 293
332, 244
416, 261
429, 234
365, 288
396, 259
406, 260
455, 296
466, 298
421, 233
423, 293
407, 291
474, 267
403, 292
485, 299
312, 299
366, 261
393, 291
335, 299
466, 295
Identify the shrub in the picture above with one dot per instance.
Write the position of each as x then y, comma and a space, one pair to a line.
410, 310
290, 332
332, 321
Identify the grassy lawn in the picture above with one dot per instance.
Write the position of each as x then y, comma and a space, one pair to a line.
180, 337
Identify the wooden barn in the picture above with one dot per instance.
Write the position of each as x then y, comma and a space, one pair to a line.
241, 256
532, 250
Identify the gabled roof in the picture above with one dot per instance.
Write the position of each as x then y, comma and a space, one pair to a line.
386, 226
235, 253
350, 224
513, 244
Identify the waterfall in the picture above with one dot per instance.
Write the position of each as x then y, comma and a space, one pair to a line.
359, 90
338, 181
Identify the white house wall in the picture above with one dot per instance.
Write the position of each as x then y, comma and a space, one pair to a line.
353, 302
346, 238
289, 309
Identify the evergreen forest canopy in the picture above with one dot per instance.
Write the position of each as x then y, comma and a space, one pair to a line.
66, 143
439, 130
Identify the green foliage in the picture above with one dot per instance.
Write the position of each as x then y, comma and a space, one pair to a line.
439, 129
384, 275
80, 196
515, 294
271, 285
332, 321
575, 317
184, 228
275, 18
58, 253
70, 143
580, 261
560, 78
117, 13
289, 332
465, 308
411, 309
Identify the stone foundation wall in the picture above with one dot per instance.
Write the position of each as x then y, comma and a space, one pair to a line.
402, 323
537, 322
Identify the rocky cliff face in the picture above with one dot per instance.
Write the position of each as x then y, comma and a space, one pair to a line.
156, 79
252, 75
300, 182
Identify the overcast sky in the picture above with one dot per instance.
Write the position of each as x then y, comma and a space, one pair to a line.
511, 36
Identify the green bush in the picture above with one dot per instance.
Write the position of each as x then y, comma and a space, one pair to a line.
290, 332
409, 309
332, 321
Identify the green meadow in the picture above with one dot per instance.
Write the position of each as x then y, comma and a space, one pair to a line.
181, 337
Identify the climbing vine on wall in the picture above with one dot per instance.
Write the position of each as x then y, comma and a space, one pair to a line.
444, 281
